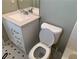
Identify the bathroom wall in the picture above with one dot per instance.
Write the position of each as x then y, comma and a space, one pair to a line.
60, 13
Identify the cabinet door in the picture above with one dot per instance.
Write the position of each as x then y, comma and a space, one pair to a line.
16, 34
5, 23
11, 28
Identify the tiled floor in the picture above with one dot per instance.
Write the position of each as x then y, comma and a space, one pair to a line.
13, 51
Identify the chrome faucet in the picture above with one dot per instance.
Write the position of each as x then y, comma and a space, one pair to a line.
23, 11
31, 10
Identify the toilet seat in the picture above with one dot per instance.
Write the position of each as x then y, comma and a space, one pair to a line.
48, 51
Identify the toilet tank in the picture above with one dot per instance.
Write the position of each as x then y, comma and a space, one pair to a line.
22, 30
55, 30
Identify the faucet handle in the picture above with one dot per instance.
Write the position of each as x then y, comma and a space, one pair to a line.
25, 12
31, 10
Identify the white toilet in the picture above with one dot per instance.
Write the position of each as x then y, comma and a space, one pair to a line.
48, 36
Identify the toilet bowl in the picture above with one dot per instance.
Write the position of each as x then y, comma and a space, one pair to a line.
48, 36
39, 51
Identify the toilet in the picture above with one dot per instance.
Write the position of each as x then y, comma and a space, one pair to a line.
49, 35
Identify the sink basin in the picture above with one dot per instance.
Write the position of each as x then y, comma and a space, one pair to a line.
19, 18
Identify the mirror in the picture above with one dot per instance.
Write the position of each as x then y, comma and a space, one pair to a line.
13, 5
31, 5
27, 3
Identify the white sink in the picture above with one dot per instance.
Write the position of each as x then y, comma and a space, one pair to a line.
20, 18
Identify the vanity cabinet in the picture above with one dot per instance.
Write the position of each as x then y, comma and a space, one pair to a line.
24, 34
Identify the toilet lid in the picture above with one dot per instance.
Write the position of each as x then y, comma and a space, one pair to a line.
47, 37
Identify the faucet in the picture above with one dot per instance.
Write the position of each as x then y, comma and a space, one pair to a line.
31, 10
24, 12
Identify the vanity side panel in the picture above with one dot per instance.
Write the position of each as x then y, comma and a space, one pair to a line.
30, 33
